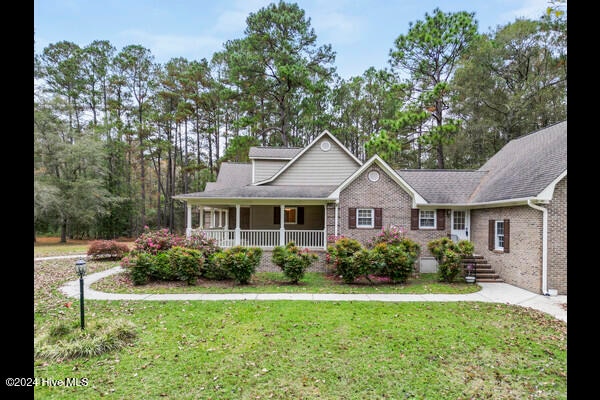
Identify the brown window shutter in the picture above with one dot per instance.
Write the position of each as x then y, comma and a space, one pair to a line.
300, 215
414, 219
352, 218
491, 234
507, 235
378, 218
441, 219
277, 215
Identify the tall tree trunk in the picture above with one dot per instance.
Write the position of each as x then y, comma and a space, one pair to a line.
142, 171
63, 231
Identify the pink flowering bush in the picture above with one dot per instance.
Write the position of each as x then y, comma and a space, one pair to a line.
199, 241
155, 241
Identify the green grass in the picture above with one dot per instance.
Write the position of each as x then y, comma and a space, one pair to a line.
275, 282
306, 349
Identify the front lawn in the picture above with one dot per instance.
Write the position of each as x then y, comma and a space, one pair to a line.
306, 349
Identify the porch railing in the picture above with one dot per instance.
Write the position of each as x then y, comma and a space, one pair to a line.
266, 238
310, 239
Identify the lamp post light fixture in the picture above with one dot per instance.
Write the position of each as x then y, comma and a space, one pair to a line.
80, 268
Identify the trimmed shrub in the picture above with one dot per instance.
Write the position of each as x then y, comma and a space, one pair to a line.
107, 249
241, 262
449, 256
341, 256
140, 267
215, 267
293, 261
393, 261
186, 264
177, 263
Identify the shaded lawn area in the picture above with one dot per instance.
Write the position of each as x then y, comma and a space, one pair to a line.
305, 349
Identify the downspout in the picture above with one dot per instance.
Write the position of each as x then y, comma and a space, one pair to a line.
544, 245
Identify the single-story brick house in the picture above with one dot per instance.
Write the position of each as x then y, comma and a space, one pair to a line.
513, 208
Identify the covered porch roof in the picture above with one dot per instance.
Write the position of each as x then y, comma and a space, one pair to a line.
266, 194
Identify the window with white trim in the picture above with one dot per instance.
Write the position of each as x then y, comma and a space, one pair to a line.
499, 236
365, 218
291, 215
426, 219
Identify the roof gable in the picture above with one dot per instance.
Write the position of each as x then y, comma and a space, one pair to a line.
417, 198
294, 162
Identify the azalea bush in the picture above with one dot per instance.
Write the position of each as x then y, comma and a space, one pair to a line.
199, 241
241, 262
155, 241
177, 263
449, 256
293, 260
341, 256
393, 261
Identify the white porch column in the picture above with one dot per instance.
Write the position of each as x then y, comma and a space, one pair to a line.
325, 228
335, 222
188, 230
202, 217
237, 225
282, 225
212, 217
226, 227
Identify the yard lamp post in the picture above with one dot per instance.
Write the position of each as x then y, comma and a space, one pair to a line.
80, 268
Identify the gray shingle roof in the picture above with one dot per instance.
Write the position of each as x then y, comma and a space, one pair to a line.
231, 175
442, 186
267, 192
286, 153
524, 166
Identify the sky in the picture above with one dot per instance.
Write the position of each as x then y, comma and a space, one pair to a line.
361, 32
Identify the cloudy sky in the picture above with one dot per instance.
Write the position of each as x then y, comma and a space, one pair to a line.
361, 32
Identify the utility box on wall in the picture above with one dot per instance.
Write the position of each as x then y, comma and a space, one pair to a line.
428, 265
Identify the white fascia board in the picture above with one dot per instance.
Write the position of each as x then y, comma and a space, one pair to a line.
213, 201
311, 144
416, 197
522, 201
548, 192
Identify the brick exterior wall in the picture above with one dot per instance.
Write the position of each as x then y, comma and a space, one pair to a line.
522, 266
557, 238
396, 209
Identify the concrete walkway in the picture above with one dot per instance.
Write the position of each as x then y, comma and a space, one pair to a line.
490, 292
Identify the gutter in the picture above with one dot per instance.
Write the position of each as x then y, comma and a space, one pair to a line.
544, 245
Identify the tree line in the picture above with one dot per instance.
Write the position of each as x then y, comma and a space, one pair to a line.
116, 134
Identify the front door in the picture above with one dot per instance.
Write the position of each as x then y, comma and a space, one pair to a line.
460, 224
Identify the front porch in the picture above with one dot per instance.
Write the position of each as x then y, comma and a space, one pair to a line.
262, 225
266, 238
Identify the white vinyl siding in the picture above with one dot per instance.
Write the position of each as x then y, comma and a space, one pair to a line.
427, 219
318, 167
264, 169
